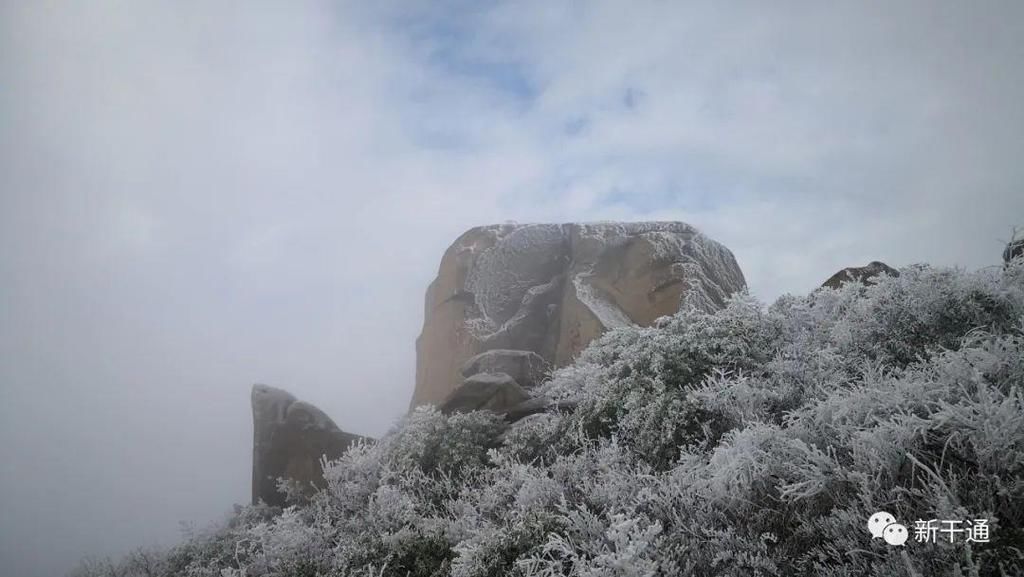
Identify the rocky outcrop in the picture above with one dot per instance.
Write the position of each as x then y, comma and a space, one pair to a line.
289, 439
1014, 249
865, 274
526, 367
550, 289
496, 392
536, 405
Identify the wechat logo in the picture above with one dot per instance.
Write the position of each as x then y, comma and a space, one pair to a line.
884, 525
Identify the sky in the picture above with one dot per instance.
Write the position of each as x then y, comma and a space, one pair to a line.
197, 196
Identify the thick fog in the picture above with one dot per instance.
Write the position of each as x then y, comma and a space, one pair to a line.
196, 196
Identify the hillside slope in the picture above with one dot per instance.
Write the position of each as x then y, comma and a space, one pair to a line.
756, 440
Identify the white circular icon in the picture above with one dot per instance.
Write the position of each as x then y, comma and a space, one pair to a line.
895, 534
878, 522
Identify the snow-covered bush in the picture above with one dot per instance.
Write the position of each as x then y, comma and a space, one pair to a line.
752, 441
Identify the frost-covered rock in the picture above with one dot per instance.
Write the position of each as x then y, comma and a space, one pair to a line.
526, 367
289, 439
1014, 249
550, 289
535, 405
495, 392
865, 274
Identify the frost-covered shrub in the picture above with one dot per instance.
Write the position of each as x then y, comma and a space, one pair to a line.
638, 383
754, 441
901, 318
386, 505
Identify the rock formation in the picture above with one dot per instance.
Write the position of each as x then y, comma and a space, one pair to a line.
526, 367
485, 391
550, 289
289, 439
864, 274
1014, 249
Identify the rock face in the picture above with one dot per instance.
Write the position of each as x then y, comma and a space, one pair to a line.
526, 367
496, 392
550, 289
289, 439
536, 405
1014, 249
864, 274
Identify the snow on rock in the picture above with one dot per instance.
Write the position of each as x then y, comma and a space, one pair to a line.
1014, 249
610, 315
289, 439
526, 367
550, 289
864, 274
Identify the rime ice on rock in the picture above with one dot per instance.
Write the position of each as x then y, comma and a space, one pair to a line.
289, 439
523, 258
552, 288
526, 367
1014, 249
865, 274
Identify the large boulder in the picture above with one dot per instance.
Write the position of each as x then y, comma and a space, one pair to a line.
496, 392
526, 367
865, 274
550, 289
289, 439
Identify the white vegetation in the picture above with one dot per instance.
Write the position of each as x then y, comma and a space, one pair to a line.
752, 441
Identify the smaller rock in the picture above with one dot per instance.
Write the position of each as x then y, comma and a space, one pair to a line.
496, 392
526, 367
537, 405
527, 408
864, 274
1014, 249
290, 437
